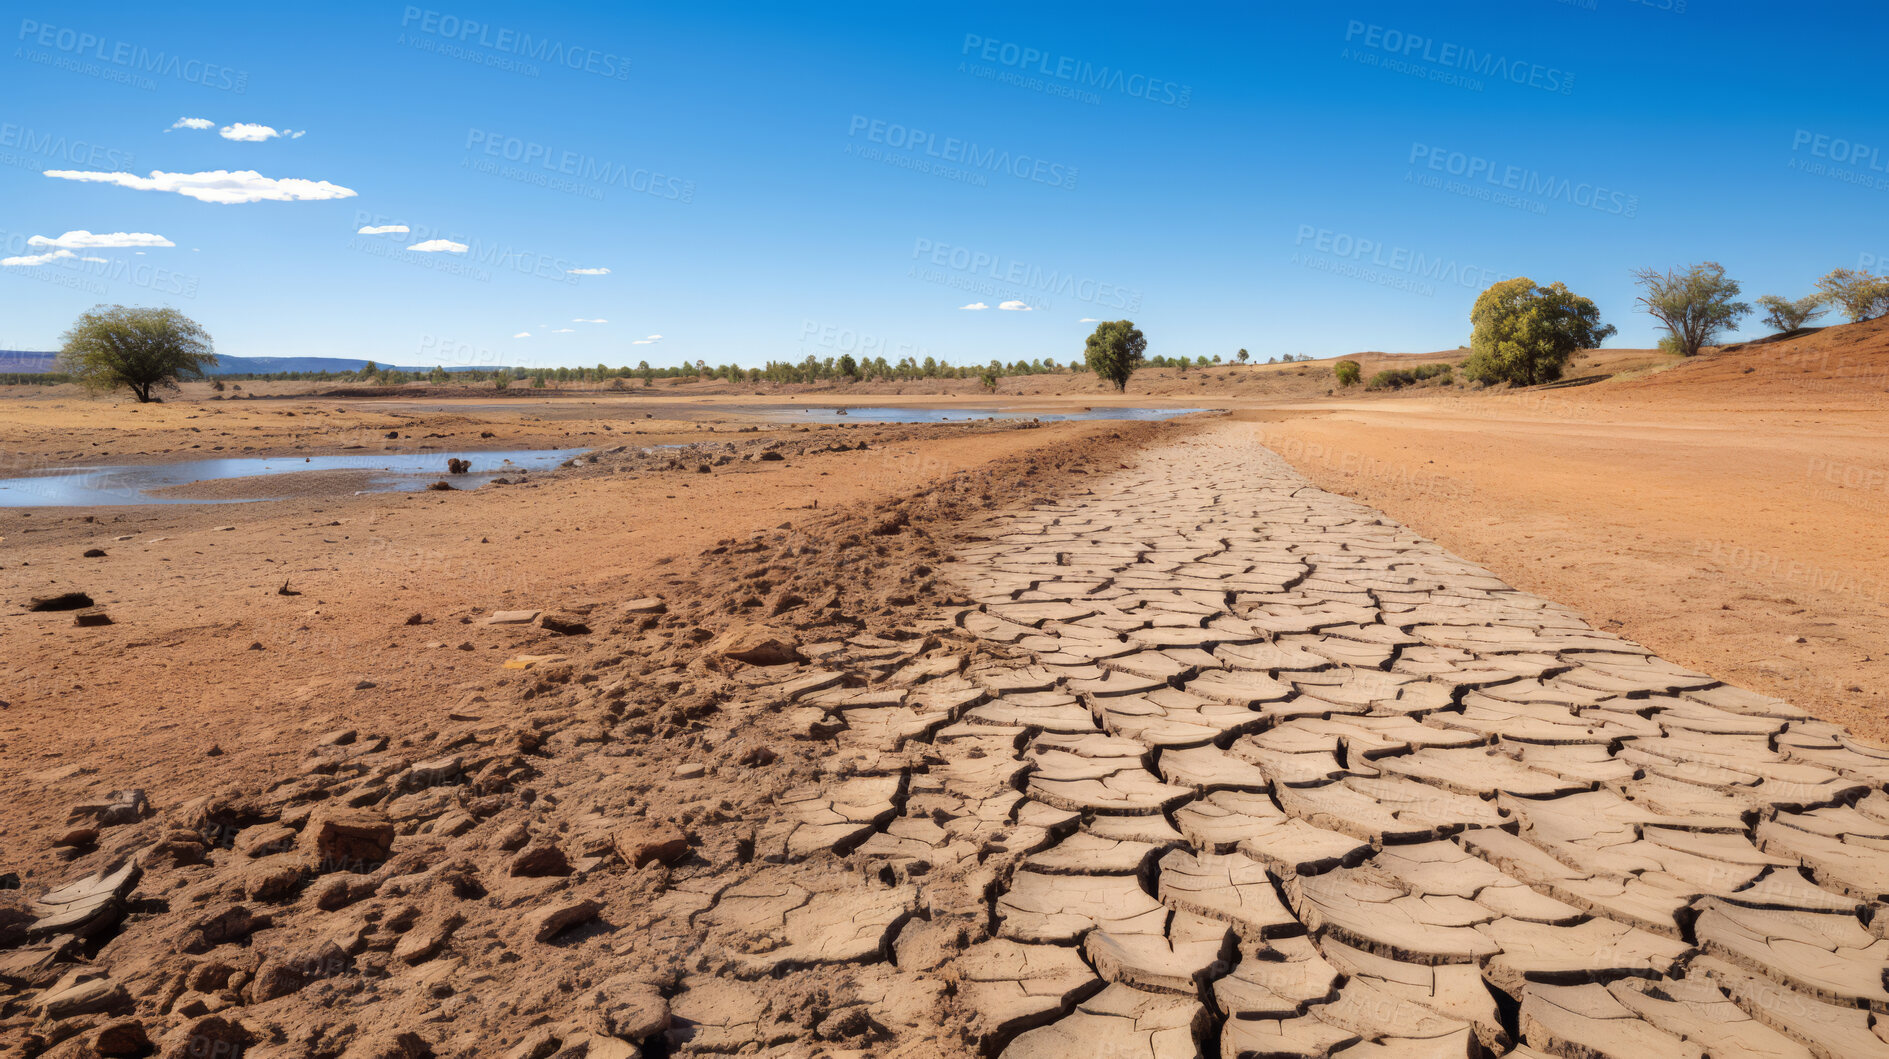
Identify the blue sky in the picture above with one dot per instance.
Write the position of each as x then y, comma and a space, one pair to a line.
764, 183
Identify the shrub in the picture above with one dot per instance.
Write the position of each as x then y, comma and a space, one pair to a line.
1398, 378
1524, 334
1348, 372
1861, 295
1694, 304
1782, 314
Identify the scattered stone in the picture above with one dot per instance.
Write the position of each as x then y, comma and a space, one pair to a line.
549, 922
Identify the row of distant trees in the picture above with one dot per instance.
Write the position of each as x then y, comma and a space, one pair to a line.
1522, 334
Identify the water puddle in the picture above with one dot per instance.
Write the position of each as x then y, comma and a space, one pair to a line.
133, 483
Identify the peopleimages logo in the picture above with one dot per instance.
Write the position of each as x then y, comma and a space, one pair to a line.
1451, 56
130, 59
1841, 151
1076, 72
962, 152
1524, 181
1391, 266
513, 42
577, 165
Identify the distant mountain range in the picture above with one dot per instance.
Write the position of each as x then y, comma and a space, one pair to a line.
26, 362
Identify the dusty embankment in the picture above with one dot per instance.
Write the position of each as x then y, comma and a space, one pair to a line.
1726, 512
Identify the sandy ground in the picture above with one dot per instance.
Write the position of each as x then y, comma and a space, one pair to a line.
1726, 512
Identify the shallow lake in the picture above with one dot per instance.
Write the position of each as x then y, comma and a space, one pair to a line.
131, 483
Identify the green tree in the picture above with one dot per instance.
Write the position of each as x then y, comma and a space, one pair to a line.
1242, 355
1348, 372
1861, 295
848, 366
139, 349
1784, 315
1524, 334
1694, 304
1115, 350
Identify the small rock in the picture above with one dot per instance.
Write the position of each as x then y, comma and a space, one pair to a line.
125, 1037
91, 619
206, 1036
692, 770
94, 553
62, 601
631, 1009
563, 624
356, 840
570, 912
640, 844
512, 617
82, 993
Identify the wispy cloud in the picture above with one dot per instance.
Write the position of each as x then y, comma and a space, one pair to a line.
1016, 307
1088, 320
562, 330
40, 259
30, 260
650, 341
522, 334
437, 246
383, 229
581, 320
192, 123
84, 240
220, 186
587, 272
974, 305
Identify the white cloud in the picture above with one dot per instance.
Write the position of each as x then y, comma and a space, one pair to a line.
383, 229
434, 246
974, 305
522, 334
249, 132
218, 185
96, 260
581, 320
35, 259
587, 272
1088, 320
83, 239
1016, 307
192, 123
650, 341
562, 330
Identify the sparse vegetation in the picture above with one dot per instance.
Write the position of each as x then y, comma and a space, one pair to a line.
1242, 356
1784, 315
1115, 350
1398, 378
1523, 334
1860, 294
1348, 372
1694, 304
139, 349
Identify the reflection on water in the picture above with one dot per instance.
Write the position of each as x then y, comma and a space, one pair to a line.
130, 484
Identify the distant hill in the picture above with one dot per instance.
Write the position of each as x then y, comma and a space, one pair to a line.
27, 362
